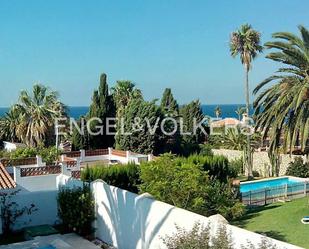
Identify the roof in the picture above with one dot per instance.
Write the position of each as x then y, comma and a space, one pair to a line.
6, 180
225, 122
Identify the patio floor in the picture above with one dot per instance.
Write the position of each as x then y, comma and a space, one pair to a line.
66, 241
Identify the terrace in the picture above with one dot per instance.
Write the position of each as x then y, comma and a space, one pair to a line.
31, 174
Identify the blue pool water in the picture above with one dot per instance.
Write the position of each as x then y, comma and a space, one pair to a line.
47, 247
258, 185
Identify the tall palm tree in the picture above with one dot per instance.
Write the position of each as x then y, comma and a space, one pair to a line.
123, 93
245, 42
240, 111
218, 111
282, 109
37, 113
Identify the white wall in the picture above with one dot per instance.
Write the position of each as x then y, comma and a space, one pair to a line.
44, 201
128, 221
37, 183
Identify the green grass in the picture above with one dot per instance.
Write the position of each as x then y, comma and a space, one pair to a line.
279, 221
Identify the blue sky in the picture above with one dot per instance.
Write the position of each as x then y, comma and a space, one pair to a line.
180, 44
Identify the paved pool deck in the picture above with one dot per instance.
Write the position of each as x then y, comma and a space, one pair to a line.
66, 241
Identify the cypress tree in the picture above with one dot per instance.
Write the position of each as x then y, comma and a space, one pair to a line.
102, 107
141, 140
168, 103
188, 113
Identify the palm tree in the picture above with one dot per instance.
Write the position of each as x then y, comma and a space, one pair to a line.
245, 42
240, 111
282, 109
9, 126
123, 93
37, 113
218, 111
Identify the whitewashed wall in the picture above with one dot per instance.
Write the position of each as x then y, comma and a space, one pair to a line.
128, 221
44, 201
36, 183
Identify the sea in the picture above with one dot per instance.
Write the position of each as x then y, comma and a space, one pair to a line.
209, 110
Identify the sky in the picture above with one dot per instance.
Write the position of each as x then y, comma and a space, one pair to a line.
181, 44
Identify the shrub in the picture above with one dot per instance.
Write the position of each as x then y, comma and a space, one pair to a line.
76, 209
49, 155
185, 184
255, 173
298, 168
217, 166
11, 211
237, 165
199, 238
119, 175
206, 150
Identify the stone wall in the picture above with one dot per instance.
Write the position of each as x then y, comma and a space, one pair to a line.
261, 162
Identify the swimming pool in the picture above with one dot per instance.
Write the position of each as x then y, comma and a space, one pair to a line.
270, 183
47, 247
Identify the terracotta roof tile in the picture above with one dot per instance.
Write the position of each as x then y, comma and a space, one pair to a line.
6, 180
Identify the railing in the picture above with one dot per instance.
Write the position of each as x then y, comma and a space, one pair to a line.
19, 162
75, 174
274, 194
120, 153
71, 164
98, 152
38, 171
72, 154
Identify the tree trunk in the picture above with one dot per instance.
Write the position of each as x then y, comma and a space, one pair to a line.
248, 159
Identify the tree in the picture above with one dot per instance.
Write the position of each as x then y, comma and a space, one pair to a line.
234, 139
185, 184
123, 93
218, 111
282, 108
245, 42
9, 125
170, 109
240, 111
139, 130
80, 137
32, 119
168, 103
190, 114
102, 107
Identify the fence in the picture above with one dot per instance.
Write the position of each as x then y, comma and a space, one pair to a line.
97, 152
15, 162
274, 194
36, 171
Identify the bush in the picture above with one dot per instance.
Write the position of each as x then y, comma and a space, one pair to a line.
199, 238
184, 183
217, 166
119, 175
255, 173
76, 210
237, 165
49, 155
298, 168
206, 150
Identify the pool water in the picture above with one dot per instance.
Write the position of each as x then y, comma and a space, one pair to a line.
47, 247
259, 185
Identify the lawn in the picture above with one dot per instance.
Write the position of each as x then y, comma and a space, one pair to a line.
280, 221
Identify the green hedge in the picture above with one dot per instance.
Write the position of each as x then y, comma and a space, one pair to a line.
119, 175
216, 166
